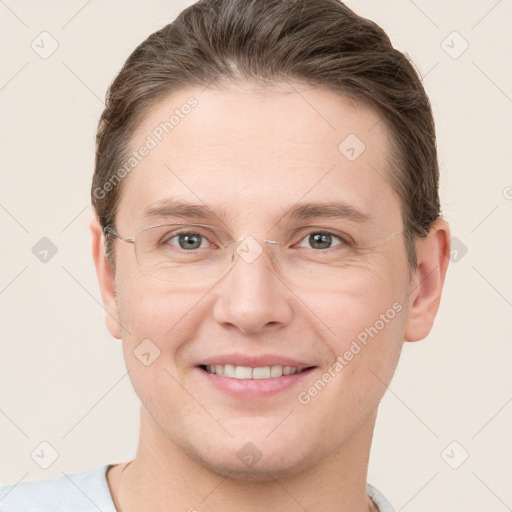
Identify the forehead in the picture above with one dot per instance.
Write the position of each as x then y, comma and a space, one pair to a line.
247, 150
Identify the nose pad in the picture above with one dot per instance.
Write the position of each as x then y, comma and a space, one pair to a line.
273, 248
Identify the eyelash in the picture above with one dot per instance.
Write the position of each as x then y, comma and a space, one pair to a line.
343, 240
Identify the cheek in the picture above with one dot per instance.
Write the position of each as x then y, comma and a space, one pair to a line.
147, 311
371, 299
156, 325
156, 320
367, 326
365, 351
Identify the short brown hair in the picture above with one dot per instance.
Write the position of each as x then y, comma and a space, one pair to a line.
317, 42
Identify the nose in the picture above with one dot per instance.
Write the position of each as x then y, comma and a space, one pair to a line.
253, 296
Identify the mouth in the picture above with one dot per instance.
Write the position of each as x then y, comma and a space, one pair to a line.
247, 372
254, 383
246, 376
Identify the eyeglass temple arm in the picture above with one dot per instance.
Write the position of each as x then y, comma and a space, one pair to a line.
109, 230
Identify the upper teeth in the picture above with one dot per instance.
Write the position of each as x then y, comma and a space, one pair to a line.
246, 372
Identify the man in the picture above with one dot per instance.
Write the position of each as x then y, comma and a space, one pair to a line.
267, 235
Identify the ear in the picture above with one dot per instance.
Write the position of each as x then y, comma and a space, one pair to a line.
433, 253
105, 279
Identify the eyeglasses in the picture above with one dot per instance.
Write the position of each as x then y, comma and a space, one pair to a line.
187, 255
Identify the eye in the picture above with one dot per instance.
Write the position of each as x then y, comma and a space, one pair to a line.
322, 240
187, 240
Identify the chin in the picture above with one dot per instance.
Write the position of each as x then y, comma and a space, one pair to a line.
255, 456
269, 467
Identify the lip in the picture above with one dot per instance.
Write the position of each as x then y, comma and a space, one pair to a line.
255, 361
254, 389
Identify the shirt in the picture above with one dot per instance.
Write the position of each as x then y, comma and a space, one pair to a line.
89, 492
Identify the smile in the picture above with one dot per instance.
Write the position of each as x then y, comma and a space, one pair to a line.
247, 372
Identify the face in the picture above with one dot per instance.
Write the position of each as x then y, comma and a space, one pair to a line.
253, 156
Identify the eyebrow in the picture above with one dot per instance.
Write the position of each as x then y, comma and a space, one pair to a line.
336, 210
301, 211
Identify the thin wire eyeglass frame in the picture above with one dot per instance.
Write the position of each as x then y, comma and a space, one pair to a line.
110, 230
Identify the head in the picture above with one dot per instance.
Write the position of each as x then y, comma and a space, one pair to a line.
252, 110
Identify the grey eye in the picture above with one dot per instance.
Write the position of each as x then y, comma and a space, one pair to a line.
190, 241
322, 240
186, 240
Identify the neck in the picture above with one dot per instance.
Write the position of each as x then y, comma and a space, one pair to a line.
165, 476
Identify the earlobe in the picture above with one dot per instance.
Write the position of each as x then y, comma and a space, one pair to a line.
105, 279
433, 254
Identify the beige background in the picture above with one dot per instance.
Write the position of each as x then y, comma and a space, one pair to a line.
62, 377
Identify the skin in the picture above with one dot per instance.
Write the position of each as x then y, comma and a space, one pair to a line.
255, 165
